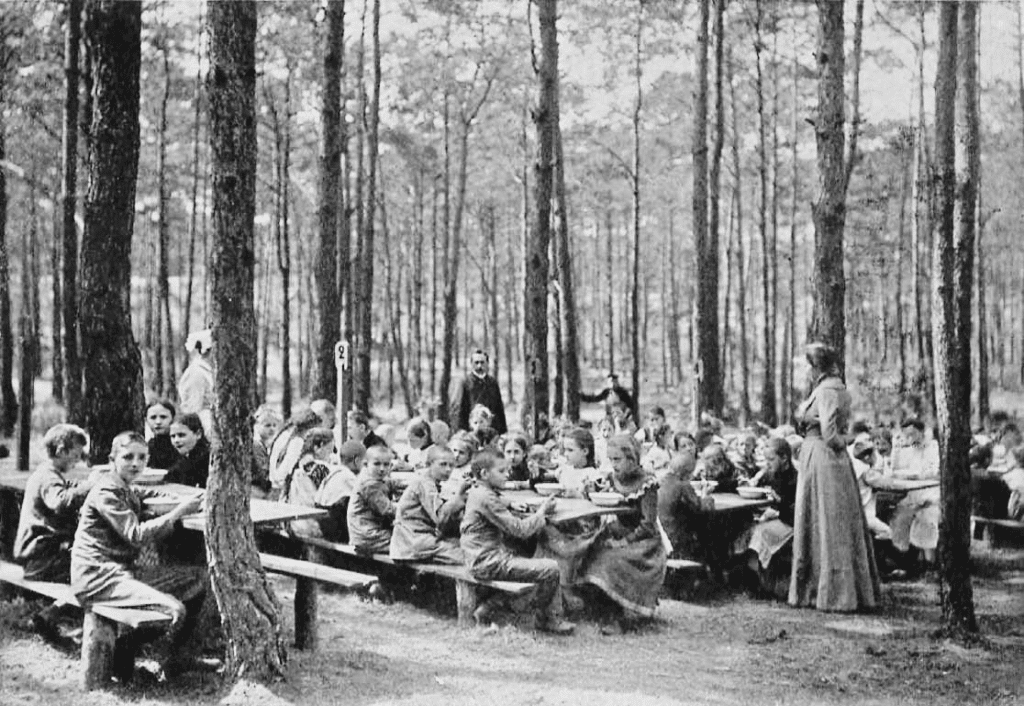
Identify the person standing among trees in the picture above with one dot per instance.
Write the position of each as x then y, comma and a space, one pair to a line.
195, 386
833, 562
479, 387
612, 395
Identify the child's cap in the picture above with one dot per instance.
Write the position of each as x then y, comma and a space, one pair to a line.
541, 456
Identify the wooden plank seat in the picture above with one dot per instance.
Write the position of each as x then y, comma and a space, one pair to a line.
465, 584
998, 532
307, 574
105, 653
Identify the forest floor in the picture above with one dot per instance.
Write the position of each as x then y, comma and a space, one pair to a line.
722, 649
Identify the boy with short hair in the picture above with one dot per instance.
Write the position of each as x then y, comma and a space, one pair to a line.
426, 525
371, 511
336, 490
49, 516
487, 524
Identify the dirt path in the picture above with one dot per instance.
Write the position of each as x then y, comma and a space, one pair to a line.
733, 650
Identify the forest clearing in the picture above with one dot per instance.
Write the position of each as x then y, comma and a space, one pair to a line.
784, 223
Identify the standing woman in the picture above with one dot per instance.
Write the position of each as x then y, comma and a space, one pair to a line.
195, 386
833, 564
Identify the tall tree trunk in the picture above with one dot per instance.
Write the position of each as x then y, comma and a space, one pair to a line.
635, 289
790, 349
741, 258
326, 267
57, 323
193, 218
8, 400
72, 362
165, 334
768, 401
828, 321
907, 144
715, 175
365, 338
535, 302
675, 350
708, 390
284, 258
570, 354
956, 157
113, 369
249, 610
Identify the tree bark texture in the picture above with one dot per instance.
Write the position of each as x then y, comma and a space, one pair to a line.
634, 298
535, 303
326, 267
828, 320
569, 328
708, 389
69, 236
956, 157
249, 610
112, 370
365, 337
8, 400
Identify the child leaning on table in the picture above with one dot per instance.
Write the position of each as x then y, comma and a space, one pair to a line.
371, 512
486, 526
111, 533
49, 516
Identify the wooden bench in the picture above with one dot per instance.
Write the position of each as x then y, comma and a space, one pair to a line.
307, 574
465, 585
103, 654
998, 533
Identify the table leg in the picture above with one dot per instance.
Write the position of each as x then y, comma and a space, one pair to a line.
465, 598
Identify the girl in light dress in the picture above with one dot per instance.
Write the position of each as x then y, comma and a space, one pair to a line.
578, 471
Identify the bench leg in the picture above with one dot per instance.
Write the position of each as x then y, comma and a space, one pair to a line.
305, 614
465, 599
125, 649
99, 636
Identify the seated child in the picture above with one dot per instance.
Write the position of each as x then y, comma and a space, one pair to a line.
681, 510
578, 471
1014, 479
539, 464
49, 516
464, 445
488, 524
304, 481
193, 464
159, 415
371, 512
336, 490
656, 456
716, 466
109, 537
515, 445
266, 423
426, 525
481, 420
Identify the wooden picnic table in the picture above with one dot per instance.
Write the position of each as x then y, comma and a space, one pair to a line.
566, 509
905, 485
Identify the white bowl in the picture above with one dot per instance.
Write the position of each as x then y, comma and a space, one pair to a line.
750, 493
549, 488
161, 506
606, 499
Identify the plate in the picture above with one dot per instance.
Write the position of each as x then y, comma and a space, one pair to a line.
150, 476
606, 499
517, 485
751, 493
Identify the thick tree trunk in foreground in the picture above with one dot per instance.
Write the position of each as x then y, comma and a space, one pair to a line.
957, 170
828, 321
8, 400
249, 611
330, 181
113, 368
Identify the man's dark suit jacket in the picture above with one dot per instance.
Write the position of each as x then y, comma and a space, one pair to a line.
475, 390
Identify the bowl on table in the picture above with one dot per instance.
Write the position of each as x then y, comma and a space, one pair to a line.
752, 493
607, 499
161, 505
150, 476
517, 484
555, 489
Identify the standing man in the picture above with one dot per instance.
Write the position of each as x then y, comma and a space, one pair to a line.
613, 394
479, 387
